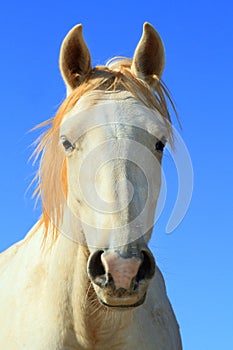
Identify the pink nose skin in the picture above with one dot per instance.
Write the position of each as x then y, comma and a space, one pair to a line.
122, 270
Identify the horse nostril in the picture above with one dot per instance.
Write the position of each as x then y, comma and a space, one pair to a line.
97, 273
147, 267
96, 269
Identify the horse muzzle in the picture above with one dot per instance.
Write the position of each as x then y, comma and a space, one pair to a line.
120, 277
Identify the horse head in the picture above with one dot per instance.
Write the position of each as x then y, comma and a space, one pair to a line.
111, 142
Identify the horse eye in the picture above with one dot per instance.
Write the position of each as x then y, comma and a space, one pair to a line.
159, 146
68, 145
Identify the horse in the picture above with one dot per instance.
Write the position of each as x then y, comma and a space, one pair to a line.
84, 276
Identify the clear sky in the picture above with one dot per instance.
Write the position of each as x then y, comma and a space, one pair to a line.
196, 259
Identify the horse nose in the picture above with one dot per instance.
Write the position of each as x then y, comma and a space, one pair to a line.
116, 271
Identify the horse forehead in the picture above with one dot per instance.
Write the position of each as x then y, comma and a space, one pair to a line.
111, 108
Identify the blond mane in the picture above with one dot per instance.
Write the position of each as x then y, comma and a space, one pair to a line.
51, 177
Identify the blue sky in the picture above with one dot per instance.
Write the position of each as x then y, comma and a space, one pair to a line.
196, 259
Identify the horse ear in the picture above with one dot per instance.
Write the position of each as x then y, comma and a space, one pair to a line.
75, 59
149, 56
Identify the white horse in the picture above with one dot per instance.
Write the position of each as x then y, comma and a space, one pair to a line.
84, 277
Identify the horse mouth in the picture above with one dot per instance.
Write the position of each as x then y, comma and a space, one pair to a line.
122, 303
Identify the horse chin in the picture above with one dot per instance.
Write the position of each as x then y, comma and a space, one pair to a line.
122, 303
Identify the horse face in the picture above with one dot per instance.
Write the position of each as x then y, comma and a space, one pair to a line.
114, 150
